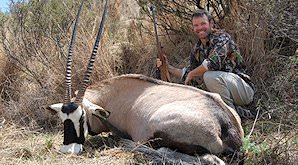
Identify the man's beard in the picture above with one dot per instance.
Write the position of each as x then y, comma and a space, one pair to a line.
204, 34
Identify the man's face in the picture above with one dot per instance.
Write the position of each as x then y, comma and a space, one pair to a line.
201, 27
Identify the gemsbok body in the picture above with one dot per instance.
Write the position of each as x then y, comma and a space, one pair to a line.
143, 108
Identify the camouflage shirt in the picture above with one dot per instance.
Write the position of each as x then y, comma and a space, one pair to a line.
221, 53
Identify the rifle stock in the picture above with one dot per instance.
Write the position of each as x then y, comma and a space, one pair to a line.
163, 69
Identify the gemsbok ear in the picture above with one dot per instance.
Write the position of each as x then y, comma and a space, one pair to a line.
101, 113
55, 108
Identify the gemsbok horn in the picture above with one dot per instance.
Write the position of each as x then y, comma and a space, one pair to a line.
72, 113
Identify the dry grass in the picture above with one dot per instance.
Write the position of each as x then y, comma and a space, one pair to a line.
21, 145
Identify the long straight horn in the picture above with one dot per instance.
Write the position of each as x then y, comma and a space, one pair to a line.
67, 96
88, 72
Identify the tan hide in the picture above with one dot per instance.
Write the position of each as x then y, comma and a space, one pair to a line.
185, 117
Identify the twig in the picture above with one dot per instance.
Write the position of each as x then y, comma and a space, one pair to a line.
254, 124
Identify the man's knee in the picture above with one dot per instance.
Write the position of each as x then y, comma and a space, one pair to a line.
210, 77
215, 83
207, 76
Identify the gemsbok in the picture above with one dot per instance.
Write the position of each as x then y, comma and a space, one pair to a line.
143, 108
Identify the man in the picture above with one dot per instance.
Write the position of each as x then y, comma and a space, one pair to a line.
217, 60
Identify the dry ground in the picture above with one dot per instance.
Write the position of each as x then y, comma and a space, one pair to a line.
24, 145
34, 146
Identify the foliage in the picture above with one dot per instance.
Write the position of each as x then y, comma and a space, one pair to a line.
175, 17
35, 36
254, 149
49, 143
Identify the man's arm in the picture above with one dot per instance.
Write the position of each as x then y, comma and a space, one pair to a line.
214, 61
176, 72
199, 71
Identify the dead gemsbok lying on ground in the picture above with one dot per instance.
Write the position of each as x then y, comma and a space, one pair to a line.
143, 108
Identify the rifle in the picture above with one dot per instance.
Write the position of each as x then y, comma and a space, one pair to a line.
162, 72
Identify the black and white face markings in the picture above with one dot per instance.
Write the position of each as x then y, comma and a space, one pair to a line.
74, 119
72, 114
74, 124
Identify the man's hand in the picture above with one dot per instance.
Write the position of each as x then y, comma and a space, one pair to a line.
197, 72
159, 62
162, 71
188, 78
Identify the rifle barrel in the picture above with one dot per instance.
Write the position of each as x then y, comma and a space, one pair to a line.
155, 28
162, 70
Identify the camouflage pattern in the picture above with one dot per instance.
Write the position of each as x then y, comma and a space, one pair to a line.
221, 54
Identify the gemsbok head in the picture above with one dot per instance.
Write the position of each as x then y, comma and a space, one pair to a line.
70, 111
